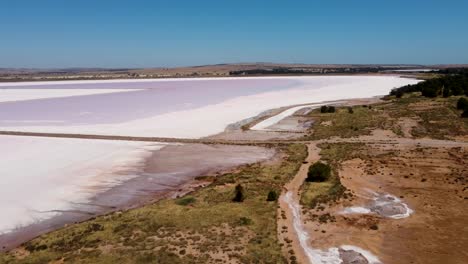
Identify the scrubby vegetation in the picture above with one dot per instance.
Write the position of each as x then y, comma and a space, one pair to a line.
327, 109
239, 194
316, 193
185, 200
410, 116
272, 196
318, 172
344, 124
462, 103
211, 229
453, 82
465, 114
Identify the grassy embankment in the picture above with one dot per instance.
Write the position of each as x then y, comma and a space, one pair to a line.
205, 226
424, 117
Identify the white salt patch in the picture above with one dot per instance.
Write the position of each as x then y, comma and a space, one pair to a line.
316, 256
389, 200
41, 175
275, 119
212, 119
380, 200
371, 258
356, 210
11, 95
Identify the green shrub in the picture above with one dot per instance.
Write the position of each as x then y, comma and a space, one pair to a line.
465, 114
430, 92
446, 92
185, 200
462, 104
245, 221
327, 109
350, 110
318, 172
239, 196
272, 196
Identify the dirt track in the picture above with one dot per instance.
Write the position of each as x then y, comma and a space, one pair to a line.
294, 187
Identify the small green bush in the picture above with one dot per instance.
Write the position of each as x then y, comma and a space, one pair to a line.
185, 200
318, 172
239, 196
462, 104
272, 196
465, 114
327, 109
245, 221
350, 110
430, 92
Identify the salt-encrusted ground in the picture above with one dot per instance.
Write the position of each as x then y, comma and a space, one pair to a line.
185, 108
42, 176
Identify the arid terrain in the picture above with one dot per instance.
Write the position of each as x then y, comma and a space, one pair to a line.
397, 195
237, 132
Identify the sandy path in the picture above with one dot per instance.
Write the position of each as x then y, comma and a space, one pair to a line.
284, 209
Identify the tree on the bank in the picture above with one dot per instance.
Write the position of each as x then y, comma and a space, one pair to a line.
430, 92
465, 114
318, 172
272, 196
239, 194
452, 82
462, 103
327, 109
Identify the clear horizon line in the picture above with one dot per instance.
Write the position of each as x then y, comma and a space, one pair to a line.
235, 63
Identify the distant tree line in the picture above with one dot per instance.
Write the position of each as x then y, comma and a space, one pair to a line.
453, 82
284, 71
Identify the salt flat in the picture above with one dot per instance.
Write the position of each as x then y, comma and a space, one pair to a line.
189, 108
42, 176
12, 95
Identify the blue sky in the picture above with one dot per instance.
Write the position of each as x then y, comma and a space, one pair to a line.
100, 33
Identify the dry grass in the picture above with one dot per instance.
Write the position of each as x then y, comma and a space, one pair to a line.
434, 118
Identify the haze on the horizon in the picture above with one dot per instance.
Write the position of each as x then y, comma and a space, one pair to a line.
86, 33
